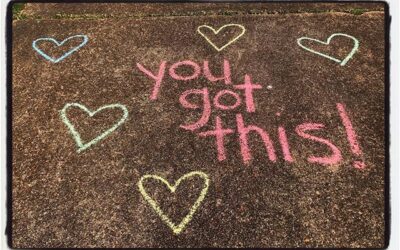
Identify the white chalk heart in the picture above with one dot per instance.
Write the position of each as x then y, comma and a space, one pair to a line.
243, 30
341, 62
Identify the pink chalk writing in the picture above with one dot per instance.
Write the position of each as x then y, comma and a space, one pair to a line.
336, 156
359, 164
351, 134
224, 107
243, 137
206, 107
159, 77
231, 98
248, 91
227, 73
196, 70
284, 144
219, 134
248, 86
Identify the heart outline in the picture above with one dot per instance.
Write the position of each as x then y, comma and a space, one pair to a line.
68, 53
342, 62
217, 31
177, 229
75, 134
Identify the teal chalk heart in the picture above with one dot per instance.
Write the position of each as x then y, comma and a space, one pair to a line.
68, 53
341, 62
77, 137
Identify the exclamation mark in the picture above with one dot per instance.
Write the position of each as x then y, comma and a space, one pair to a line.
351, 136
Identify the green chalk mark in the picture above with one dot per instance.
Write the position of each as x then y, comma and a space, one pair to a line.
83, 146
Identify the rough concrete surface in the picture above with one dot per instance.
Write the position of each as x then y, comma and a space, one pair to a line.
54, 10
62, 198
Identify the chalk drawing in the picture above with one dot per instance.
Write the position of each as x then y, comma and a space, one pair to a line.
336, 156
227, 73
195, 66
206, 107
351, 135
219, 132
158, 78
248, 88
68, 53
225, 107
216, 33
284, 144
244, 131
177, 229
341, 62
359, 164
82, 146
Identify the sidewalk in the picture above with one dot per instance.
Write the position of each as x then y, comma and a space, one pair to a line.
323, 188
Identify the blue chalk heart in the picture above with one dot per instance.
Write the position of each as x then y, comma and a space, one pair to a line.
56, 60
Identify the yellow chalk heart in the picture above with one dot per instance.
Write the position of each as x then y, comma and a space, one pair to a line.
217, 31
177, 229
